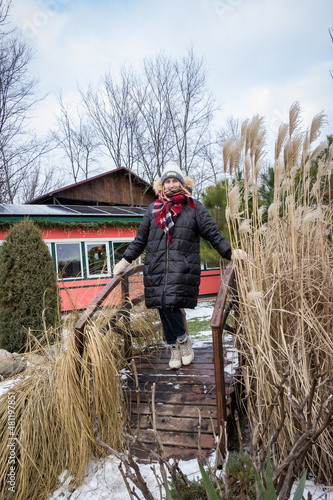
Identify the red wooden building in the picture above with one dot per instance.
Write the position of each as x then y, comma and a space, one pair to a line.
87, 227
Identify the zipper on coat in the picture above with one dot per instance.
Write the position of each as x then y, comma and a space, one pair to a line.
167, 264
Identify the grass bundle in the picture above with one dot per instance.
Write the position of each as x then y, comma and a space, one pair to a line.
286, 283
53, 412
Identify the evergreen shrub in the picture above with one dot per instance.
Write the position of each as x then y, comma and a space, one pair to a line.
29, 296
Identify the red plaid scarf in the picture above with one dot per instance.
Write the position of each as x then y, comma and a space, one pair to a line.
169, 206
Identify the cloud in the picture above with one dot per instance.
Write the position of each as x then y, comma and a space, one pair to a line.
260, 55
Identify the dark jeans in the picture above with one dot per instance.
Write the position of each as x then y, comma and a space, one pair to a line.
173, 323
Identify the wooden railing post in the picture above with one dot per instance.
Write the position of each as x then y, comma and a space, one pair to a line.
217, 324
126, 317
220, 384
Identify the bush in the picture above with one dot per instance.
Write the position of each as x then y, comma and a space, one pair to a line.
28, 287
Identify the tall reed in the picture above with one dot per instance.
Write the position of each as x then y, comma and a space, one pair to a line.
286, 283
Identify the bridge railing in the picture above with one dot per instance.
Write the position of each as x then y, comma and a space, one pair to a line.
123, 309
225, 301
222, 309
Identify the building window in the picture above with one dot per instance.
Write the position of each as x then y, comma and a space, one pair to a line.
118, 250
69, 260
97, 259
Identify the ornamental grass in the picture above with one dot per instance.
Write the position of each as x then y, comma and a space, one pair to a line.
285, 284
54, 414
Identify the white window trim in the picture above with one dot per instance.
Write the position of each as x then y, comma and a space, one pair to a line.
96, 243
68, 242
107, 241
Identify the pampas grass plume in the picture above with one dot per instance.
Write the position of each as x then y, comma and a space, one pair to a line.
260, 213
306, 147
282, 134
234, 201
312, 216
254, 295
227, 214
318, 150
226, 153
294, 118
272, 211
317, 122
247, 170
235, 154
245, 227
286, 184
297, 144
257, 169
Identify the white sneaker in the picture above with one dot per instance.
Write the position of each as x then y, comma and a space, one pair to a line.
176, 359
186, 350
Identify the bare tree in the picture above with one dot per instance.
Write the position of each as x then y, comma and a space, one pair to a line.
143, 120
155, 140
191, 109
20, 151
114, 119
4, 9
177, 110
77, 139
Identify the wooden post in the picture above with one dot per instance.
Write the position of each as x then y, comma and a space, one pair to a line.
217, 324
220, 383
126, 317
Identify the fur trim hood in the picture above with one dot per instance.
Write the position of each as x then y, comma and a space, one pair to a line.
188, 182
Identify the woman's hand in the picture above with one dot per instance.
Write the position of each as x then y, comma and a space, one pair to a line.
120, 267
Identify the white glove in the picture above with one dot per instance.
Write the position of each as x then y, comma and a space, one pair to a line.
239, 254
120, 267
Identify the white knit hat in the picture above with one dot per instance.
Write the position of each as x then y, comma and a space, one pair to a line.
171, 170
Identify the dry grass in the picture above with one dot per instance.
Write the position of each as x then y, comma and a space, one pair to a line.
286, 285
53, 416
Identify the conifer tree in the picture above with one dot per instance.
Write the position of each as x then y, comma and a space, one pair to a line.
215, 200
28, 287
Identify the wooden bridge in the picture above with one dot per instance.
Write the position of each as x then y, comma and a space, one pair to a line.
191, 405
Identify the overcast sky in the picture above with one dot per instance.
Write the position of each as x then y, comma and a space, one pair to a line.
260, 55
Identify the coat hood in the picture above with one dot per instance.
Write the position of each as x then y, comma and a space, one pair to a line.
188, 182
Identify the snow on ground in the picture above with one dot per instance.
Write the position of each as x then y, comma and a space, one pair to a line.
104, 481
204, 310
7, 385
317, 492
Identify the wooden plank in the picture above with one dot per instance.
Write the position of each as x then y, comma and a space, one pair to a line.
178, 438
180, 411
198, 371
179, 399
174, 381
185, 388
175, 424
177, 452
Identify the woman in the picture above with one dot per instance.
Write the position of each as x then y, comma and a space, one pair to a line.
170, 232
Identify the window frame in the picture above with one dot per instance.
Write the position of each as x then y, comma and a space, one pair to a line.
70, 242
106, 243
82, 242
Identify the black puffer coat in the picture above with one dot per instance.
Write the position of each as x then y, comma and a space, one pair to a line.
175, 268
